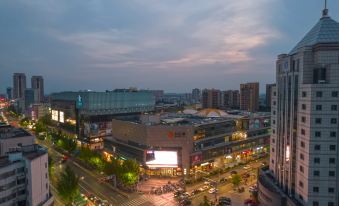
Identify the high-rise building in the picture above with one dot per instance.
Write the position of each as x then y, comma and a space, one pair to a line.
249, 96
9, 92
23, 169
38, 84
196, 95
19, 85
304, 156
30, 96
230, 99
211, 98
269, 94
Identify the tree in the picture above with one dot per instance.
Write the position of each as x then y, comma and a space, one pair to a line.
68, 185
205, 202
236, 179
50, 166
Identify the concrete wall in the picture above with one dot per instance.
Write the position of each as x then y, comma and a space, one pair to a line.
38, 183
7, 143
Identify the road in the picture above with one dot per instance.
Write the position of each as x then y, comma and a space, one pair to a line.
226, 189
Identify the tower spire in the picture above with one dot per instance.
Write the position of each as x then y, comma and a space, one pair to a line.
325, 11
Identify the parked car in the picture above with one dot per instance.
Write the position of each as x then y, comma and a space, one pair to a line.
247, 167
206, 187
185, 202
194, 192
233, 172
223, 201
212, 190
223, 180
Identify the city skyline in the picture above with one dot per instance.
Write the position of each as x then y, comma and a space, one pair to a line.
102, 46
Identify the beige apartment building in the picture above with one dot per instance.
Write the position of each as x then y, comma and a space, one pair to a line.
249, 97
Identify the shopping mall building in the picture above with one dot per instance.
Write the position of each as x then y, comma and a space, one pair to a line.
91, 113
173, 144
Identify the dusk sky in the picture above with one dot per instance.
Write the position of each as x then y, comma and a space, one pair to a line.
173, 45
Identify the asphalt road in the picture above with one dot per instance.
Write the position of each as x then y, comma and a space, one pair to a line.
226, 189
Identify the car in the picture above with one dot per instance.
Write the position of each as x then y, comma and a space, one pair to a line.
223, 180
185, 202
194, 192
206, 183
206, 187
92, 197
253, 188
247, 167
201, 189
246, 175
233, 172
212, 190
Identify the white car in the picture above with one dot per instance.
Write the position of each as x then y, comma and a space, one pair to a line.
247, 167
206, 187
212, 190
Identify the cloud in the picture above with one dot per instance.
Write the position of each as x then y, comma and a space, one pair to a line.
181, 35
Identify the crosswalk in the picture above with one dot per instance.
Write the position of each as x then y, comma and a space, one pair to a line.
150, 200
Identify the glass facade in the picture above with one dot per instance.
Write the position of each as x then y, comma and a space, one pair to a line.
110, 102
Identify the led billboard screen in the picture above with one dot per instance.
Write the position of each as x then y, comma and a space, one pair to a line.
163, 159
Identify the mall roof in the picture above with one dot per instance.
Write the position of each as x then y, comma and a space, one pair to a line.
325, 31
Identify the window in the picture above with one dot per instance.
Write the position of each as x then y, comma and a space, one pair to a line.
45, 164
317, 147
315, 203
46, 176
330, 204
304, 94
333, 134
272, 149
273, 121
303, 106
274, 112
333, 120
317, 160
301, 168
332, 147
301, 156
334, 107
334, 94
318, 120
331, 160
274, 103
273, 131
317, 134
319, 94
315, 189
301, 184
331, 173
303, 119
330, 190
302, 131
318, 107
273, 140
302, 144
274, 93
316, 173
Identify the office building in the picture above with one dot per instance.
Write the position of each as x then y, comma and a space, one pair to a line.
249, 97
23, 169
38, 84
30, 96
304, 156
211, 98
231, 99
269, 95
9, 92
19, 85
175, 144
196, 95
